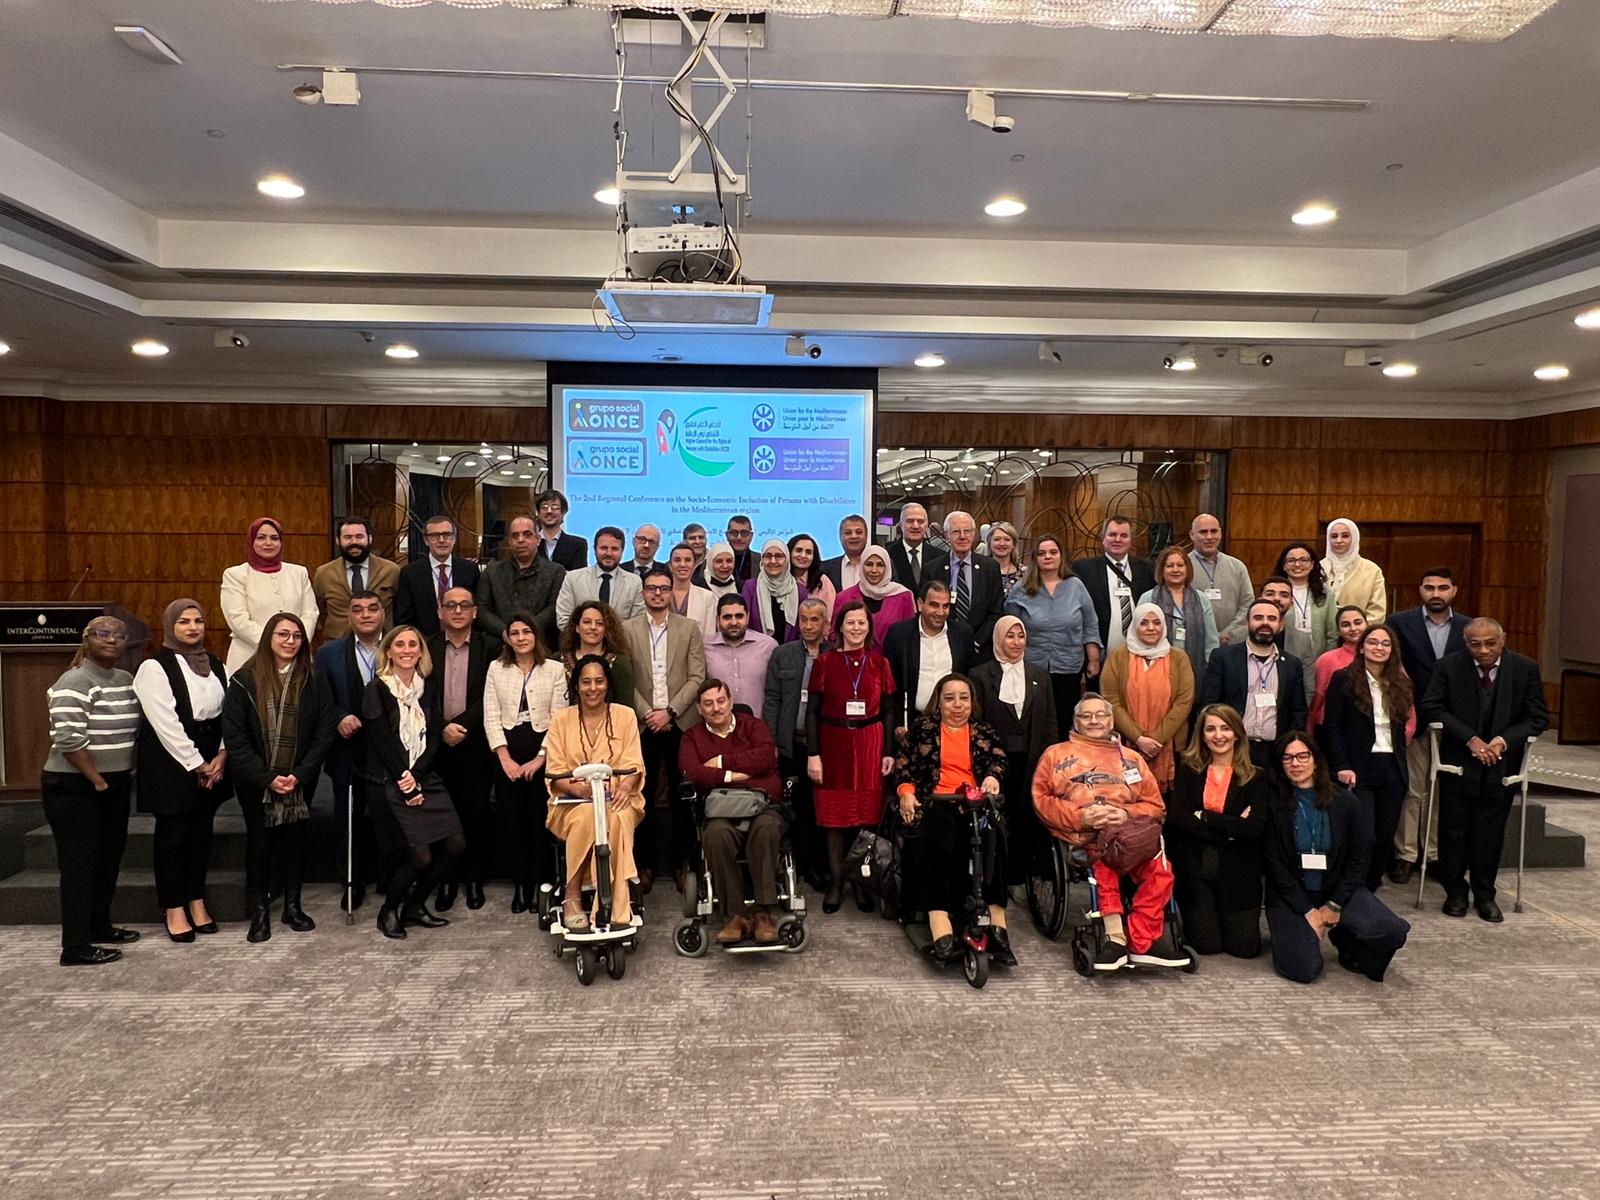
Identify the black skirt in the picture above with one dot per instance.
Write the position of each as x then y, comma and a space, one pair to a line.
433, 820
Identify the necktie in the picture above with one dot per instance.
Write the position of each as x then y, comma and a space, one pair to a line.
605, 588
916, 566
355, 579
963, 595
1488, 679
444, 581
1124, 599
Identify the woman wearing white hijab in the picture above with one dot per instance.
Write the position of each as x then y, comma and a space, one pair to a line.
718, 574
773, 597
1016, 698
888, 602
1151, 691
1351, 579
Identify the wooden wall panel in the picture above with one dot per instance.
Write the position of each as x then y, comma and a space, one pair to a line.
436, 423
1403, 473
1273, 472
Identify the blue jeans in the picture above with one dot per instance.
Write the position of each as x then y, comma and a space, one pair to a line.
1368, 935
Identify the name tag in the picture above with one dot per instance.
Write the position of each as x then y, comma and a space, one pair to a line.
1302, 623
1266, 700
1211, 593
805, 695
855, 708
1122, 589
1313, 862
1131, 776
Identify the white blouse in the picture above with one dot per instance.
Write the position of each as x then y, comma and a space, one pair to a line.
250, 598
1382, 731
503, 689
154, 690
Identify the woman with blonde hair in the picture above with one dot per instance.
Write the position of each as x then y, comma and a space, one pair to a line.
1003, 542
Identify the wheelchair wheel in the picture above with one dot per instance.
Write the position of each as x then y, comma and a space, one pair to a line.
617, 962
1193, 965
691, 893
1047, 891
975, 966
585, 963
1080, 959
689, 938
792, 934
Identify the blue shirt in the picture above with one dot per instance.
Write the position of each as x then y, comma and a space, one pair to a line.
1058, 626
1313, 834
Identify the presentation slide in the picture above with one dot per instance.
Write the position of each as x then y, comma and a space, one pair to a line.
793, 460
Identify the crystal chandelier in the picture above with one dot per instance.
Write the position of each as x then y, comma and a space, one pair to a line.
1421, 20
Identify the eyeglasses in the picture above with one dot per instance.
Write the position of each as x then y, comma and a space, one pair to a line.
439, 533
110, 635
1297, 560
1094, 715
290, 635
658, 587
1298, 758
458, 605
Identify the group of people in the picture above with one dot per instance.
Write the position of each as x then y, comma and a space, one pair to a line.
1270, 733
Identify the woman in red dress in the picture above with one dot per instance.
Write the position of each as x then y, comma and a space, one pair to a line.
848, 740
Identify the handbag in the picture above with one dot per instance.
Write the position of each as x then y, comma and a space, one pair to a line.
735, 804
873, 861
1129, 845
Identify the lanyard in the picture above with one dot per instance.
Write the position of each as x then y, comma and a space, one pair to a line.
656, 638
1264, 670
1211, 572
1303, 609
368, 660
855, 684
522, 706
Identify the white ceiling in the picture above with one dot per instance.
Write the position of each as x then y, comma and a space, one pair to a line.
1148, 226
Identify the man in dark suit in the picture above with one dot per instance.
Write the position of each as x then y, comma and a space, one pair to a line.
784, 711
1490, 702
1426, 635
564, 549
1258, 681
426, 578
977, 598
646, 541
461, 656
845, 570
740, 533
924, 650
913, 557
348, 664
1115, 580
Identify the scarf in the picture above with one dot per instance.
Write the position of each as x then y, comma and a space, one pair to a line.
268, 565
280, 726
199, 659
881, 591
1194, 624
1013, 675
721, 587
782, 591
1149, 700
1336, 566
1136, 646
413, 723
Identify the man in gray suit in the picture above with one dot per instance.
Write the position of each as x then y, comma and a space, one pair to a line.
784, 711
669, 665
606, 581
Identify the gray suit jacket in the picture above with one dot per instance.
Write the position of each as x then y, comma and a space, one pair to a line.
686, 666
627, 593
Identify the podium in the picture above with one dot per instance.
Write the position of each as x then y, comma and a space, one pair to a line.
37, 642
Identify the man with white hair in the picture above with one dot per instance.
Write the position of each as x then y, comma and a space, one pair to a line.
914, 557
977, 598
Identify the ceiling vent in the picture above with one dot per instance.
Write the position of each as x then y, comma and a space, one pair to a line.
706, 305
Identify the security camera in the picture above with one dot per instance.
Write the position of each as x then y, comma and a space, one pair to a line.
368, 336
1374, 359
1048, 352
1254, 358
222, 339
1266, 360
795, 346
307, 93
813, 351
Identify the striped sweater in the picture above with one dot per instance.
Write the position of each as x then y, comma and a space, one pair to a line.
93, 709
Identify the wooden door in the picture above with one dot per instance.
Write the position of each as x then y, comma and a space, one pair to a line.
1405, 551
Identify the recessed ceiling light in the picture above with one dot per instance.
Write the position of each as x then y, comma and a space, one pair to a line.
524, 476
149, 348
1552, 373
442, 458
1005, 206
5, 347
508, 472
929, 359
1588, 320
280, 187
401, 350
471, 462
1316, 214
502, 458
1400, 370
609, 196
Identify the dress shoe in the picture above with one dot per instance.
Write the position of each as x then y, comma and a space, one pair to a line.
1000, 952
1454, 906
418, 914
199, 926
293, 915
519, 899
735, 931
832, 906
389, 923
1490, 911
474, 896
89, 956
115, 937
354, 898
183, 938
1400, 872
945, 949
765, 928
446, 898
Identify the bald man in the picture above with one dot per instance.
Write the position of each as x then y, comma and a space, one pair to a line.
1221, 578
977, 598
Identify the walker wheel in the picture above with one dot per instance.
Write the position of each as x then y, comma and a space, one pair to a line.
617, 961
585, 962
975, 966
689, 938
792, 934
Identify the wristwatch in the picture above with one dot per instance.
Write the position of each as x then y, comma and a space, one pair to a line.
1337, 908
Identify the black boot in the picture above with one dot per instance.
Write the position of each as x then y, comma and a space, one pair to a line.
416, 913
260, 920
519, 899
389, 923
293, 915
445, 898
474, 896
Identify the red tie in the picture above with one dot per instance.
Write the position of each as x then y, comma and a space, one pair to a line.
444, 581
1488, 681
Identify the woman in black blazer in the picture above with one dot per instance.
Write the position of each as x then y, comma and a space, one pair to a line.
1366, 725
1316, 860
1018, 703
1216, 813
415, 817
278, 724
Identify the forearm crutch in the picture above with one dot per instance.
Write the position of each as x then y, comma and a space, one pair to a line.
1522, 778
1435, 766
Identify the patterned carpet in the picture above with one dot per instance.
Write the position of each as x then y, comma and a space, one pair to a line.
467, 1062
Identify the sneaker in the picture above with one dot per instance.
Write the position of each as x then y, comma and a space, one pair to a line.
1113, 956
1163, 952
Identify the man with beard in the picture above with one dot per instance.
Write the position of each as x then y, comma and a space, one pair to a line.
923, 650
523, 581
845, 570
606, 581
1258, 681
738, 655
357, 569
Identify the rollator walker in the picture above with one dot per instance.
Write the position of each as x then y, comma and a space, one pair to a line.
603, 942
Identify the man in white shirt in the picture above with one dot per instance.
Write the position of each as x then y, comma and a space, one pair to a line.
738, 655
357, 569
606, 581
424, 580
1221, 578
923, 650
646, 541
1115, 580
913, 557
845, 570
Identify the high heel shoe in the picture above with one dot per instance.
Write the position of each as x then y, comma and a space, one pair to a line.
834, 905
864, 901
207, 927
186, 936
519, 899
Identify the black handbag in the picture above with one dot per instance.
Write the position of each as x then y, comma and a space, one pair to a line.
873, 862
